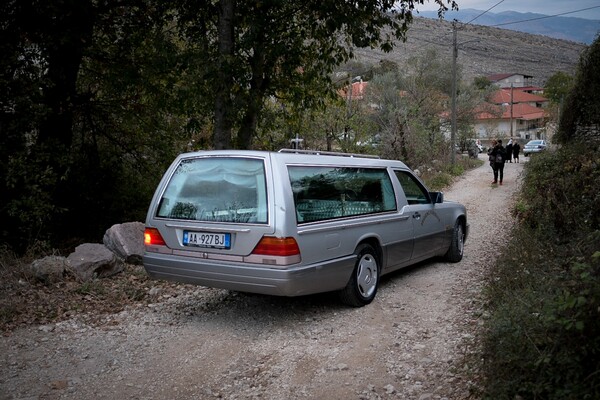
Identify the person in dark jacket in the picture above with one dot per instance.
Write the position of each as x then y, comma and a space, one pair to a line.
516, 149
509, 151
497, 155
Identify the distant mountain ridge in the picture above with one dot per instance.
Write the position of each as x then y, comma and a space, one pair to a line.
568, 28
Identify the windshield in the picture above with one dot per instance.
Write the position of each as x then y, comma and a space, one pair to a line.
216, 189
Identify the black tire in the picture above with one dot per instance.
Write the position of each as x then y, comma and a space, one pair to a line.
457, 245
362, 286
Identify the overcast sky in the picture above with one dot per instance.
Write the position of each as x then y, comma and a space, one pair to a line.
546, 7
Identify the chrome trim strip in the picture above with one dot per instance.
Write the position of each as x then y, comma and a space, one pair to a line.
205, 228
210, 256
337, 225
258, 259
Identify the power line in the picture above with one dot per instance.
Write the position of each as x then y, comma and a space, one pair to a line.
498, 3
545, 16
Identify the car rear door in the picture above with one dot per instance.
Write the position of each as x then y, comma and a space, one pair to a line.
214, 204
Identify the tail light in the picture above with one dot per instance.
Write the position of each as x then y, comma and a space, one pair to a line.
152, 237
273, 246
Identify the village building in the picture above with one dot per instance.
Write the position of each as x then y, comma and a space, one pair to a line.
516, 110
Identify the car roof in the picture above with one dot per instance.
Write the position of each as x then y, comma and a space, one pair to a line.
291, 156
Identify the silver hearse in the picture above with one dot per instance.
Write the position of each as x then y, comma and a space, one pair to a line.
293, 223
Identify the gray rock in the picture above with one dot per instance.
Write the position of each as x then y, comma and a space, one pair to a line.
126, 241
94, 260
50, 269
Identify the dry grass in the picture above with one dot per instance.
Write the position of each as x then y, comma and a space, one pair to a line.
24, 301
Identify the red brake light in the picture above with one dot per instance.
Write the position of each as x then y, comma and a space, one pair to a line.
272, 246
152, 237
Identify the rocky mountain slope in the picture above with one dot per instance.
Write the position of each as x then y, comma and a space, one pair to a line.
560, 27
485, 50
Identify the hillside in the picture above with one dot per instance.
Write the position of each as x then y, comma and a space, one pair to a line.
485, 50
559, 27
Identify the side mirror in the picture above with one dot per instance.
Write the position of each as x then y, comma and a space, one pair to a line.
436, 197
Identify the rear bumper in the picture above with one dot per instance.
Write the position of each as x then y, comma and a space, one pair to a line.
294, 281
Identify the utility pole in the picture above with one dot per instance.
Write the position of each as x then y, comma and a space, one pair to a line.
453, 127
511, 110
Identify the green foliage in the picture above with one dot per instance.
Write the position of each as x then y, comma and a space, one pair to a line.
285, 50
98, 97
410, 103
440, 179
581, 112
86, 138
541, 338
558, 87
574, 194
482, 83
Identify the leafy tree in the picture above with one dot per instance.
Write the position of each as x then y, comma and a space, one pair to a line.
482, 83
413, 109
410, 103
385, 66
42, 46
284, 48
581, 114
84, 95
97, 96
558, 87
390, 115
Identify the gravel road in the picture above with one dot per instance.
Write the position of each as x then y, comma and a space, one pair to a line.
205, 343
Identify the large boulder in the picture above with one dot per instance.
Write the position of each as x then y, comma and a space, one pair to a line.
126, 241
94, 260
50, 269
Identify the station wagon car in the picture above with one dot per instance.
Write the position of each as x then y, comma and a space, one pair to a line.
294, 223
534, 146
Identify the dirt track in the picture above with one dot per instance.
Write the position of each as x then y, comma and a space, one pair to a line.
208, 343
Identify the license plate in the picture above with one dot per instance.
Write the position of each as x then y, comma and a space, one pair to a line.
207, 239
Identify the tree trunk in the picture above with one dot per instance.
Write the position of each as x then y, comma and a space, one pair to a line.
223, 104
68, 31
255, 97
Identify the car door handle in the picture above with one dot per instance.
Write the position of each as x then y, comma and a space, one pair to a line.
417, 215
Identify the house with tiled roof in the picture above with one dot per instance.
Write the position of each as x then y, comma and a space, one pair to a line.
511, 80
512, 113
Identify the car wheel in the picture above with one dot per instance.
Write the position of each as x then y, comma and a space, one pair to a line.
457, 246
526, 154
362, 286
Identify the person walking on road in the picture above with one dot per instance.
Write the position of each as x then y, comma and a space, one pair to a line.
509, 151
497, 156
516, 149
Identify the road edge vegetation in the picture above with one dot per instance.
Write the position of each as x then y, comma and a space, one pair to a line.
540, 338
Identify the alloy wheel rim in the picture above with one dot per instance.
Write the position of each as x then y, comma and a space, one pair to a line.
366, 275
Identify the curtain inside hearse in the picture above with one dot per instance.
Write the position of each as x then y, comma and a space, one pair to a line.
219, 189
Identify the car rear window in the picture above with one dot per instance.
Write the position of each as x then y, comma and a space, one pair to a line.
322, 193
216, 189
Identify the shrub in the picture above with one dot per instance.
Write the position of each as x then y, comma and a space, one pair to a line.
541, 338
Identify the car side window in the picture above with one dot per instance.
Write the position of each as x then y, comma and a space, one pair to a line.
414, 191
323, 193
